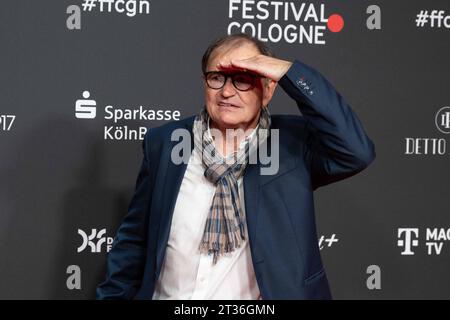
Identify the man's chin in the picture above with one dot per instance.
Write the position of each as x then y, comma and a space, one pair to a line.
229, 124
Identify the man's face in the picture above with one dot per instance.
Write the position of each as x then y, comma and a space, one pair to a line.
228, 107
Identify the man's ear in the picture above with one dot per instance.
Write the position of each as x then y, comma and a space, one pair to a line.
269, 89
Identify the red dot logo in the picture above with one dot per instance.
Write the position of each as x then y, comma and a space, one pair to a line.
335, 23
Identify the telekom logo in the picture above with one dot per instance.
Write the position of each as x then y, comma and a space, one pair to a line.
408, 242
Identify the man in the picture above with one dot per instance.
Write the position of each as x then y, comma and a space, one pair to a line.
212, 229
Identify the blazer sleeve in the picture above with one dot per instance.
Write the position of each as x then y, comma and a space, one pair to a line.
126, 259
336, 143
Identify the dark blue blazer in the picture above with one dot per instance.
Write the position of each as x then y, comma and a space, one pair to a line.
326, 144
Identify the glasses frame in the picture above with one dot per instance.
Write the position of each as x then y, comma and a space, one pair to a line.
231, 75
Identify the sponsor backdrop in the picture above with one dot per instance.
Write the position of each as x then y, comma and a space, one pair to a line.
82, 80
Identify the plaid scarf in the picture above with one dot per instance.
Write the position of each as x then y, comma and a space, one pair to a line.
225, 229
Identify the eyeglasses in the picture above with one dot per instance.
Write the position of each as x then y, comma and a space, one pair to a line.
242, 81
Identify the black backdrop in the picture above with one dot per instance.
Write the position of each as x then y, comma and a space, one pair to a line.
64, 178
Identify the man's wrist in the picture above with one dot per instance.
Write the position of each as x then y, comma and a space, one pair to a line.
286, 66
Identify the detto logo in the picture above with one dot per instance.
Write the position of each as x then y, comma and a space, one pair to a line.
442, 120
431, 146
276, 21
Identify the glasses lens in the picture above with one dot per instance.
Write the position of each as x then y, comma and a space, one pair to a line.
243, 81
215, 80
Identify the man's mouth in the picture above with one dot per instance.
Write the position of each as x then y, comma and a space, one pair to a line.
227, 105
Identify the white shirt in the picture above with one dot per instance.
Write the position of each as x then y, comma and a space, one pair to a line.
188, 274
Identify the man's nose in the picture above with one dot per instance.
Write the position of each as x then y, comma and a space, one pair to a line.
228, 88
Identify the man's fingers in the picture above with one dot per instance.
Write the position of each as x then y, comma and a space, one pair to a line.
248, 65
268, 67
223, 64
242, 64
230, 66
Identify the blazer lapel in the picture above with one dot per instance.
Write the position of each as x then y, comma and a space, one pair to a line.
254, 181
251, 194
